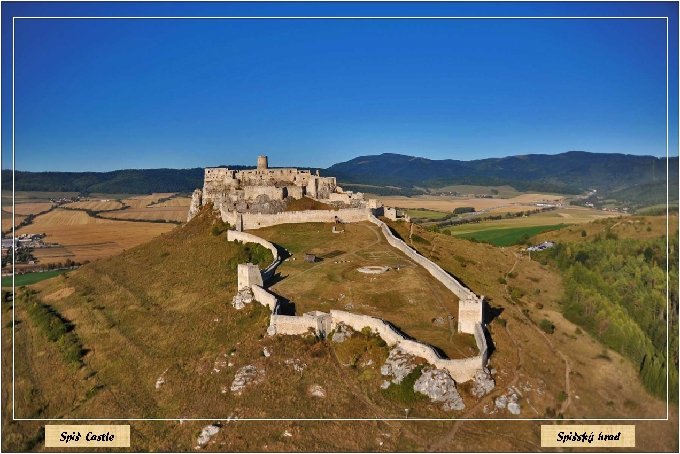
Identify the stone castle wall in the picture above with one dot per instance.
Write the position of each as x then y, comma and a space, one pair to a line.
470, 306
251, 221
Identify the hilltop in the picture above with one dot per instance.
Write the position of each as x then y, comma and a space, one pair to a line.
162, 309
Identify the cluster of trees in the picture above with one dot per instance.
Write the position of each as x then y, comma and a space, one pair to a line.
454, 220
24, 255
616, 289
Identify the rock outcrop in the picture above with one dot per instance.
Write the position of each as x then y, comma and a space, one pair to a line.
242, 297
195, 205
483, 383
438, 385
398, 365
246, 376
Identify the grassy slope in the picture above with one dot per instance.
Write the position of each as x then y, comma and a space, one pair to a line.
163, 306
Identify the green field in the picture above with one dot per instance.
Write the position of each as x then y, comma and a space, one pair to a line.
30, 278
508, 236
426, 214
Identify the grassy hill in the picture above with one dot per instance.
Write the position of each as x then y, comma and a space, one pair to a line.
162, 309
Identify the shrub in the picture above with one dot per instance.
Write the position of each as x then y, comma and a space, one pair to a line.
547, 326
502, 280
403, 392
583, 233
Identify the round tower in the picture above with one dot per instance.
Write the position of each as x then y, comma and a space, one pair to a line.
262, 163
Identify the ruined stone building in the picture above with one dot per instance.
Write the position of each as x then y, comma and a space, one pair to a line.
266, 190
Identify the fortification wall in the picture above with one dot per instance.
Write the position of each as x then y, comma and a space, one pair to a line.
461, 370
468, 318
264, 297
253, 221
290, 324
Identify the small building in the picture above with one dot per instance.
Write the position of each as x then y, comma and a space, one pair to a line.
310, 258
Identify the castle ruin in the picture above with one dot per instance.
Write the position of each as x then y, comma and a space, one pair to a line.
267, 190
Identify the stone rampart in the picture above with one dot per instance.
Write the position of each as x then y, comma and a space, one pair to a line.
251, 221
264, 297
461, 370
466, 319
267, 273
290, 324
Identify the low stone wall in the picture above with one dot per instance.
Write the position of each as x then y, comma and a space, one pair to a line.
267, 273
470, 318
264, 297
291, 324
252, 221
461, 370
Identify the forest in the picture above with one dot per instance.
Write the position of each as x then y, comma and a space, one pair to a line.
616, 290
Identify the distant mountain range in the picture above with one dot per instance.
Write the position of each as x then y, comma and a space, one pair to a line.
571, 172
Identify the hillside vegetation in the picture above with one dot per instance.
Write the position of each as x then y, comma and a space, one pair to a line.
616, 289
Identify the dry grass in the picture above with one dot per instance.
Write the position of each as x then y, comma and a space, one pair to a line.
406, 295
163, 306
7, 220
96, 205
447, 203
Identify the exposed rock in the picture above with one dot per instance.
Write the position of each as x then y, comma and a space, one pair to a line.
509, 401
438, 385
271, 330
245, 376
242, 297
195, 205
398, 365
385, 384
439, 321
317, 391
206, 434
286, 433
483, 384
160, 382
342, 333
298, 365
266, 352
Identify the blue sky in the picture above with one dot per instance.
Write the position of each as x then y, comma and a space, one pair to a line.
111, 94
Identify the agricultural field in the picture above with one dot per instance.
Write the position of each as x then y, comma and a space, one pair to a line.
426, 214
499, 191
449, 203
30, 278
142, 201
96, 205
566, 215
406, 295
82, 237
509, 236
151, 213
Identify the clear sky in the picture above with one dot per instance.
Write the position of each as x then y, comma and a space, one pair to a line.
93, 94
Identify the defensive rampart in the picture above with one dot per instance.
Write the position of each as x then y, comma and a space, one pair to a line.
471, 303
248, 221
470, 306
267, 273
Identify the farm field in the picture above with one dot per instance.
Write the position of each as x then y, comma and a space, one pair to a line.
96, 205
142, 201
177, 201
83, 237
151, 213
449, 203
406, 295
426, 214
30, 278
567, 215
500, 191
509, 236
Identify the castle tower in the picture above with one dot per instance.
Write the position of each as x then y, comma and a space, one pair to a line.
262, 163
